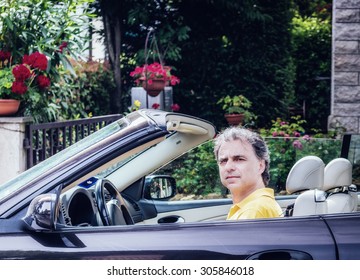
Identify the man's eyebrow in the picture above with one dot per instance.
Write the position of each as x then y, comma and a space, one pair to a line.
231, 156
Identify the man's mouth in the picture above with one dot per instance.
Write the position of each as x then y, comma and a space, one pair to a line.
232, 177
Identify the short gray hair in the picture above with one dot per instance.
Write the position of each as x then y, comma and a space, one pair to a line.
255, 140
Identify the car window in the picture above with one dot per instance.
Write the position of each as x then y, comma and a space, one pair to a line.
286, 151
353, 154
197, 175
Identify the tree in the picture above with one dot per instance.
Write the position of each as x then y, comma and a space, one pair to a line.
236, 51
112, 11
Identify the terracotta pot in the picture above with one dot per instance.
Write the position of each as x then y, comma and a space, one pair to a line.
9, 106
234, 119
155, 87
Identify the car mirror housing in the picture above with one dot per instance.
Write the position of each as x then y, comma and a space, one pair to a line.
159, 187
42, 212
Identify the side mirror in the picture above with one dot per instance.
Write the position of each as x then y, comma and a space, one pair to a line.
43, 212
159, 187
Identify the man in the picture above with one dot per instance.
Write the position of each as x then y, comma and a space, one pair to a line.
243, 160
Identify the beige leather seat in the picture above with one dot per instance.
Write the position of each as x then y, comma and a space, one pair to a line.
342, 196
307, 177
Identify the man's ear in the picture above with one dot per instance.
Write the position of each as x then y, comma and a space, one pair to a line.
262, 166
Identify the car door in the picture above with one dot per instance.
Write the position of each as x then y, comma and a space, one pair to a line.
346, 231
200, 210
281, 238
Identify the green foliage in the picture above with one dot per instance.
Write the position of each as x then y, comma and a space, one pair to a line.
240, 54
164, 19
198, 173
311, 38
33, 25
6, 80
42, 25
285, 128
287, 143
237, 104
86, 94
94, 85
253, 48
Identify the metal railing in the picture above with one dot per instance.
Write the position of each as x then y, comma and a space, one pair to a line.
46, 139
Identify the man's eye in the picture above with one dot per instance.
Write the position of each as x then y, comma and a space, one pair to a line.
222, 161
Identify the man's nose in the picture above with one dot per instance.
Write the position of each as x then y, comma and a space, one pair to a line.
229, 165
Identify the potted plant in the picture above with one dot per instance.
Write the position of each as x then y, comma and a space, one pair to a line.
154, 77
236, 109
20, 80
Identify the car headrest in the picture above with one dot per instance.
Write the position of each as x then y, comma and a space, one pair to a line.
337, 173
306, 174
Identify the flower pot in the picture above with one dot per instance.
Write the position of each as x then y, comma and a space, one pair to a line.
154, 87
234, 119
9, 106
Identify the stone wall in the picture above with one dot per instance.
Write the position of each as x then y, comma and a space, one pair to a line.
345, 100
12, 153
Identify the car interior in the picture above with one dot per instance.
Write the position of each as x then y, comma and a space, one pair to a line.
323, 189
113, 194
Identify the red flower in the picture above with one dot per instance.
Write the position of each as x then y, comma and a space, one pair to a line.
62, 46
27, 76
155, 105
36, 60
43, 81
174, 80
175, 107
154, 71
137, 72
19, 87
4, 55
21, 72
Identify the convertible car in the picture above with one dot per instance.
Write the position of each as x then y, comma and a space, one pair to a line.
102, 198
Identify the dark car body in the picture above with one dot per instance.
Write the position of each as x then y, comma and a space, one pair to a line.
56, 210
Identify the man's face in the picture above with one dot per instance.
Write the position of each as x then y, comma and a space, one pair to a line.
240, 169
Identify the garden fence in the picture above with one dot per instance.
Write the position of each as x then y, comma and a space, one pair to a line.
46, 139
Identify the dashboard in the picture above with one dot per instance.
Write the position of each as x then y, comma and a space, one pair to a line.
79, 206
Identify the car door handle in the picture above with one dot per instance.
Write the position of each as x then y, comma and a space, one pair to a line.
281, 255
171, 220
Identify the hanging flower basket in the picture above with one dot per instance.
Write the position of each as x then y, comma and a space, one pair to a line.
154, 77
9, 106
153, 87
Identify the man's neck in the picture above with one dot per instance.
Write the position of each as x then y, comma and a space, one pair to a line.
238, 197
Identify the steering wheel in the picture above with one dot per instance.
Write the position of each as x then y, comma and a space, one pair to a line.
112, 210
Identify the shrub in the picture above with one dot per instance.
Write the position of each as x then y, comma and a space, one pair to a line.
196, 172
288, 143
86, 94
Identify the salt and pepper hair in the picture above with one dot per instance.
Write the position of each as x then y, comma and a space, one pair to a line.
255, 140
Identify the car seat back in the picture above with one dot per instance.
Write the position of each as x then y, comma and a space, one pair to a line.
307, 177
341, 194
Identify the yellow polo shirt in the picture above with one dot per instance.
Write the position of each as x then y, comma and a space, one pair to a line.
259, 204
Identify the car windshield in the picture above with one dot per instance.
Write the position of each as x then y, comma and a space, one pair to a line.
26, 177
